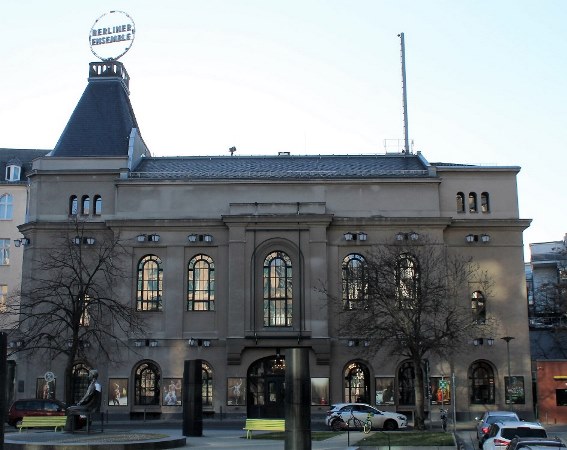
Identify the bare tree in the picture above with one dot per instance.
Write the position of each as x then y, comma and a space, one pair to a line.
413, 300
68, 305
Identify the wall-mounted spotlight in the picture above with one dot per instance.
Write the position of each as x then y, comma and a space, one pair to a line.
411, 236
192, 238
471, 238
141, 237
16, 344
78, 240
192, 342
153, 237
358, 236
480, 341
23, 241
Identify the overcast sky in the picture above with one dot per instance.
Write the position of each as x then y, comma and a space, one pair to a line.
486, 81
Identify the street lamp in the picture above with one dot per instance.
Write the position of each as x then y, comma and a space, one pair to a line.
508, 339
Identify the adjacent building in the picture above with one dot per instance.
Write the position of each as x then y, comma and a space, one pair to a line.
15, 166
228, 252
546, 280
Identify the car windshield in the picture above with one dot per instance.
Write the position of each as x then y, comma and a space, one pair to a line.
511, 433
492, 419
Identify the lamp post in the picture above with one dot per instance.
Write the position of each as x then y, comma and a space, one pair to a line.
508, 339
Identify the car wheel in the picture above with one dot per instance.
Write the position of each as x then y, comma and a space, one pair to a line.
337, 425
390, 425
17, 423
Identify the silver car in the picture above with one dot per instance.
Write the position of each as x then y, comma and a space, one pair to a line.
488, 418
342, 415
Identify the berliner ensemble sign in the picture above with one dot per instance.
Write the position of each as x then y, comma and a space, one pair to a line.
112, 35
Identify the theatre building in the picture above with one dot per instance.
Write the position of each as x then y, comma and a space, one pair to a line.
228, 254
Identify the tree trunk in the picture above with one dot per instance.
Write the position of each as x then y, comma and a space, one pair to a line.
419, 419
69, 381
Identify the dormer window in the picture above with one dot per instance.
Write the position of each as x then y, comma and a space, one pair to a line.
13, 172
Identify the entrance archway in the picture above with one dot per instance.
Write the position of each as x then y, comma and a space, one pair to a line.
266, 388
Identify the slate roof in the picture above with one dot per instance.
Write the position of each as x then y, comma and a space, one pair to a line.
281, 167
101, 123
21, 157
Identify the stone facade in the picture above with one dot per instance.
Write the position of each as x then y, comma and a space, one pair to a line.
240, 211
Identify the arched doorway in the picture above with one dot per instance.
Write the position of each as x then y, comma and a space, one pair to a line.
357, 385
147, 381
406, 384
80, 381
481, 379
266, 388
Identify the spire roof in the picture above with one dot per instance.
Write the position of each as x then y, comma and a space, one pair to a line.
103, 119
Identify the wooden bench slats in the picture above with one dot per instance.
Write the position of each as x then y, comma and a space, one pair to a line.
263, 425
43, 421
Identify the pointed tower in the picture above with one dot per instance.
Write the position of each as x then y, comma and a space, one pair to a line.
103, 122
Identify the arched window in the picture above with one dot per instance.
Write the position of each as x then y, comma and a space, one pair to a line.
201, 284
460, 202
406, 384
354, 281
478, 307
149, 290
481, 378
407, 279
97, 205
73, 205
472, 202
484, 202
357, 381
85, 205
147, 380
79, 381
207, 386
278, 292
6, 207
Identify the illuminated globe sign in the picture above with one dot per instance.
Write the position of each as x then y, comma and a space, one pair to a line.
112, 35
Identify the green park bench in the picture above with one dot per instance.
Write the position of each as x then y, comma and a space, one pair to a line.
42, 422
263, 425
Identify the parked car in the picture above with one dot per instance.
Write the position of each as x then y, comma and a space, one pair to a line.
501, 433
34, 407
488, 418
528, 443
340, 413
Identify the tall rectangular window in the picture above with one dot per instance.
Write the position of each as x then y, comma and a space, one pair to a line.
3, 297
4, 252
6, 207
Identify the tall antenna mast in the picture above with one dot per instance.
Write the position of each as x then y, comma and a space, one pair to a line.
407, 148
